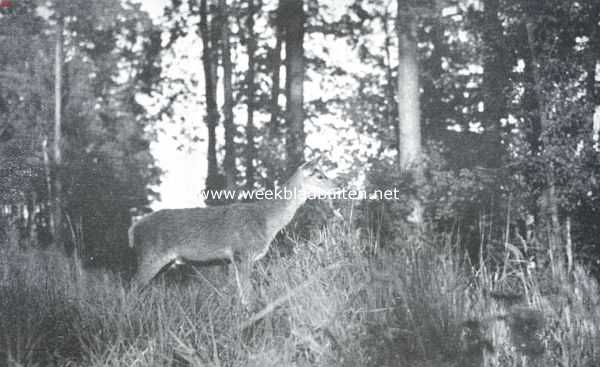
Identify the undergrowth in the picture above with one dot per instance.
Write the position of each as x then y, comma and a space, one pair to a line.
336, 300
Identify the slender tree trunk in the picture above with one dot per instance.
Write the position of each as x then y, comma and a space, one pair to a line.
389, 87
58, 139
292, 15
48, 182
215, 32
213, 178
273, 133
275, 87
592, 57
495, 78
250, 82
228, 124
409, 111
31, 206
593, 54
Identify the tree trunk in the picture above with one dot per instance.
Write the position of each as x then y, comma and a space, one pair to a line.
409, 112
495, 78
273, 133
292, 16
548, 203
228, 124
250, 82
434, 110
58, 139
213, 178
593, 54
48, 212
389, 87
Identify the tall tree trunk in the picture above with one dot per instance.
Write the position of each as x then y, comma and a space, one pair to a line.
274, 126
213, 178
409, 111
250, 82
228, 124
593, 54
292, 15
548, 201
495, 78
48, 182
389, 87
58, 139
433, 109
215, 32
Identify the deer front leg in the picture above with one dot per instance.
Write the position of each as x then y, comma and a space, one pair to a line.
148, 268
242, 266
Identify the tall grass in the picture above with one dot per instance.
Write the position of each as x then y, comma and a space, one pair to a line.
338, 300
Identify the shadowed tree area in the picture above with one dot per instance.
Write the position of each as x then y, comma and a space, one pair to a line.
79, 134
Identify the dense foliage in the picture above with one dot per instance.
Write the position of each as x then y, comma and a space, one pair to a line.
112, 52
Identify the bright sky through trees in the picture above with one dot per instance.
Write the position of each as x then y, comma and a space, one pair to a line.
185, 170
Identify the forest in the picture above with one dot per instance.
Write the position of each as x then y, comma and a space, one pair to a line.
484, 115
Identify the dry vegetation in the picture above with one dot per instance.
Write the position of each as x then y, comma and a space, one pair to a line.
338, 300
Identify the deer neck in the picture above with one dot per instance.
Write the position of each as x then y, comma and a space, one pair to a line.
284, 210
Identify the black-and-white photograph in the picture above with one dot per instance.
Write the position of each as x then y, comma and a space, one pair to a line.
357, 183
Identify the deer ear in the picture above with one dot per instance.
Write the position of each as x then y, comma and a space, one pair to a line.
308, 167
311, 164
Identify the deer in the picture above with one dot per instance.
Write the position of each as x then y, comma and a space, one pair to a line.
240, 233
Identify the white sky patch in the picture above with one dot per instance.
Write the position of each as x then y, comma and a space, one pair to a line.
184, 169
153, 7
520, 67
596, 124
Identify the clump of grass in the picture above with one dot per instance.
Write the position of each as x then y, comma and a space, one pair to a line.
337, 300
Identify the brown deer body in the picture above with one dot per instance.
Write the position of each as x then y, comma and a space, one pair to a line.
240, 232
